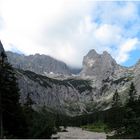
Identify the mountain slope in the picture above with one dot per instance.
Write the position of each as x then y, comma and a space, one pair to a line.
40, 64
70, 96
67, 96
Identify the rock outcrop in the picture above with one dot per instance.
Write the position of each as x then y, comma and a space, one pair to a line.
136, 73
99, 66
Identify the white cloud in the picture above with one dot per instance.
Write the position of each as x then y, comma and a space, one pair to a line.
125, 49
108, 34
67, 30
120, 13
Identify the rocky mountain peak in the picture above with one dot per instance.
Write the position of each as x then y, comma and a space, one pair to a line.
105, 53
92, 53
99, 66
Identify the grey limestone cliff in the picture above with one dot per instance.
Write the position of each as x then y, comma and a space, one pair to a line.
99, 65
68, 96
40, 64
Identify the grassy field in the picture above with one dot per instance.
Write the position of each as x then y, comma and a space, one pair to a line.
96, 127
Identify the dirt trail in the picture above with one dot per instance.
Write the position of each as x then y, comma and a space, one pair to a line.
78, 133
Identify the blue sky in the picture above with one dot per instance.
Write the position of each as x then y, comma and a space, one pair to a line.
68, 29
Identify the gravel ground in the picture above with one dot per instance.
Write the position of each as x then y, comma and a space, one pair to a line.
78, 133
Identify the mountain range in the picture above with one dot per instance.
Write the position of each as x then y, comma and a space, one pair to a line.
40, 64
51, 83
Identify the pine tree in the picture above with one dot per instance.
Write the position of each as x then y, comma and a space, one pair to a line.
131, 118
132, 93
42, 125
116, 99
13, 122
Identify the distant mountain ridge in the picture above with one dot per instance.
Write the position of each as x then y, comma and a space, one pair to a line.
40, 64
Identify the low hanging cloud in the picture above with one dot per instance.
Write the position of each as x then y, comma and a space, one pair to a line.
67, 30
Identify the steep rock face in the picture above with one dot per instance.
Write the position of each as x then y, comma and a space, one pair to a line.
40, 64
136, 68
136, 72
68, 96
99, 66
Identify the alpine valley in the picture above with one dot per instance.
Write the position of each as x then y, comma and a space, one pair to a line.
57, 87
